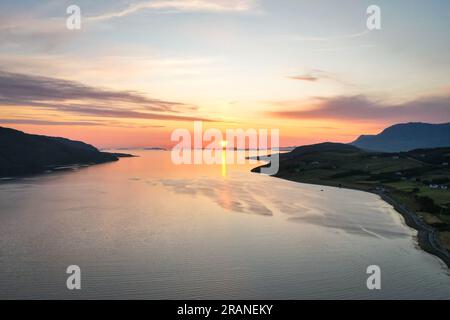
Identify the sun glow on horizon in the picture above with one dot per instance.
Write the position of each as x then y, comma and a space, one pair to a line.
223, 143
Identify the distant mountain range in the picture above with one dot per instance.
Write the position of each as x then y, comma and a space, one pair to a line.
22, 153
406, 137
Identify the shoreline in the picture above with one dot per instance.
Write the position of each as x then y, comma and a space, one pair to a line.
48, 169
426, 235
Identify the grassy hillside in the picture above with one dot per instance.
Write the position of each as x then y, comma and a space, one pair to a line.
405, 176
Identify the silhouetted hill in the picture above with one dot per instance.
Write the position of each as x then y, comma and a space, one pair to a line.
321, 152
22, 153
324, 147
406, 137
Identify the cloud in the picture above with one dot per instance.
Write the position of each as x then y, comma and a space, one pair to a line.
37, 29
33, 32
123, 113
20, 88
329, 38
72, 123
44, 93
102, 68
346, 48
316, 75
360, 107
306, 77
49, 122
214, 6
338, 42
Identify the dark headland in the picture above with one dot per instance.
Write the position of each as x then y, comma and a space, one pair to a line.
23, 154
406, 137
416, 183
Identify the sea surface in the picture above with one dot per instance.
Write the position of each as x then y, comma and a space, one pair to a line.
144, 228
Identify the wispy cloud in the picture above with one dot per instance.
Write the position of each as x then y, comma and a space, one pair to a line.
315, 75
34, 29
123, 113
38, 122
20, 88
334, 42
432, 109
181, 5
345, 48
305, 77
44, 93
103, 68
329, 38
49, 122
43, 34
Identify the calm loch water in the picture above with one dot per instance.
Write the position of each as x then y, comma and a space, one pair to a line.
145, 228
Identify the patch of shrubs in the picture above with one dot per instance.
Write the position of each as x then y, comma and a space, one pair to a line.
427, 204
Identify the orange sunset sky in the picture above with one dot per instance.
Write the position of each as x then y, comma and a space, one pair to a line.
137, 70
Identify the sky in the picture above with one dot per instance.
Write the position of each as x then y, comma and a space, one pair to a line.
137, 70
